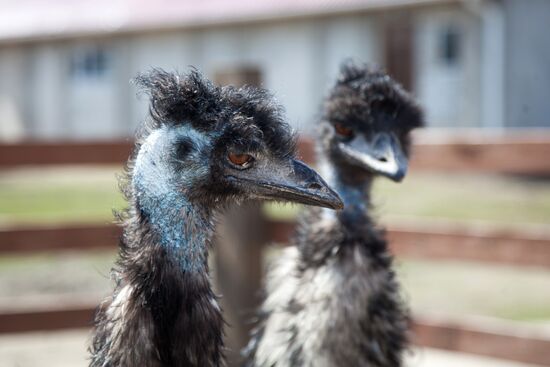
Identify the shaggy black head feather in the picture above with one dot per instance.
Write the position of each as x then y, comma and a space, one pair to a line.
240, 112
368, 99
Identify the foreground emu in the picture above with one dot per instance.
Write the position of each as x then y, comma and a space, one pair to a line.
203, 148
332, 299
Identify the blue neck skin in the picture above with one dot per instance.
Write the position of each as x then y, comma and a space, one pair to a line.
353, 186
182, 227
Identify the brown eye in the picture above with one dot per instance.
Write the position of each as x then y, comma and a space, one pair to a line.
243, 160
343, 130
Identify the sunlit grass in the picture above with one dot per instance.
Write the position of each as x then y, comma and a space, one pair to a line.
501, 200
90, 194
33, 278
61, 195
459, 197
516, 293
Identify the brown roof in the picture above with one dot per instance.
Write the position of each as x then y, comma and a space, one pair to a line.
37, 19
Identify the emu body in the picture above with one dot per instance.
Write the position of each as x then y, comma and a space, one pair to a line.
332, 298
203, 148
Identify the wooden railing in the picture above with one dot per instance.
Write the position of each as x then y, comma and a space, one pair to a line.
525, 154
458, 242
519, 153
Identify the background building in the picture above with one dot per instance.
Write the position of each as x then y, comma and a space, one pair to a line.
65, 66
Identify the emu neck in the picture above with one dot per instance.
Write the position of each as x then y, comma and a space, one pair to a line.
182, 229
168, 262
354, 186
186, 322
180, 226
171, 313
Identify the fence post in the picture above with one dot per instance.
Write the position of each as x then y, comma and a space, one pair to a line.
241, 234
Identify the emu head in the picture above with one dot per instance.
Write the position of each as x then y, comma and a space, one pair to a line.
367, 120
214, 145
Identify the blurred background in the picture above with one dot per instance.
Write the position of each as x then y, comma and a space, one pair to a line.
469, 226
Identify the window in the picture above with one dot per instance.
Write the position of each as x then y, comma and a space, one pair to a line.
90, 63
449, 46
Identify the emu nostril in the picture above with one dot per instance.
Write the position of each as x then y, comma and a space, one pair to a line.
314, 186
383, 159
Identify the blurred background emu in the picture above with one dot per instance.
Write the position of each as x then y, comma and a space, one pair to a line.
469, 226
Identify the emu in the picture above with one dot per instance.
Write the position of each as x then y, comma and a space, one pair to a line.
332, 298
202, 148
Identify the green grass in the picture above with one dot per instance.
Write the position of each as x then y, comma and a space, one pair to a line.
458, 197
60, 195
57, 204
476, 289
90, 194
31, 278
501, 200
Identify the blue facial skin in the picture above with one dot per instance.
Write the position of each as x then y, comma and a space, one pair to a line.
162, 193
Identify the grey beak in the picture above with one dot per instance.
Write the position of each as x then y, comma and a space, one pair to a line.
383, 155
301, 184
291, 181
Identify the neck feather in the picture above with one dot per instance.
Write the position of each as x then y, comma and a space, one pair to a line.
169, 299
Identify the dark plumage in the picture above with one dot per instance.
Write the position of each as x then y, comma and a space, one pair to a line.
202, 148
332, 297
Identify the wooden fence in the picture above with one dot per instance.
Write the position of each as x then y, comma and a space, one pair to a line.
418, 240
517, 154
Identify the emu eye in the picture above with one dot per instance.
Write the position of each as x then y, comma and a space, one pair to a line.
343, 130
241, 160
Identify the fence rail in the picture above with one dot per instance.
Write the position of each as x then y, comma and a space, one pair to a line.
519, 152
73, 237
63, 153
483, 337
523, 153
430, 241
46, 319
503, 246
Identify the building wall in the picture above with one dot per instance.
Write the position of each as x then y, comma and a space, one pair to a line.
527, 82
47, 91
449, 92
297, 60
12, 93
40, 97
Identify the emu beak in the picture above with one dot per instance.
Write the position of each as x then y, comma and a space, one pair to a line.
383, 154
291, 181
303, 185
